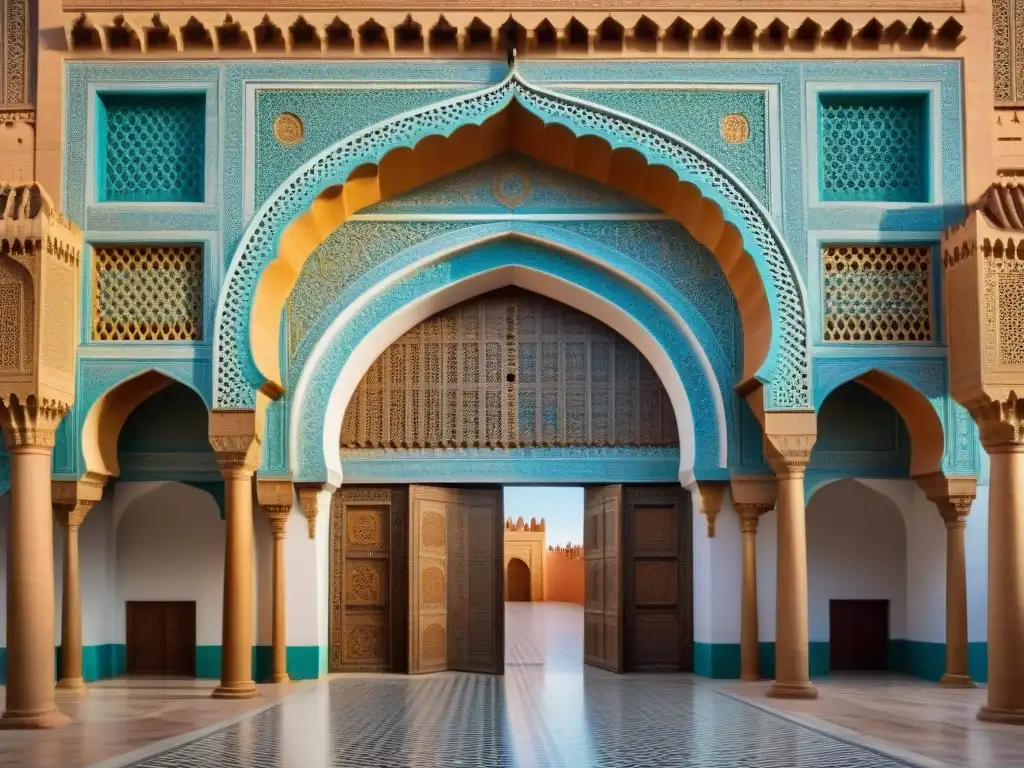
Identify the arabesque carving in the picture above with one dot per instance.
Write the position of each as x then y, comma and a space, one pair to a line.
711, 493
235, 441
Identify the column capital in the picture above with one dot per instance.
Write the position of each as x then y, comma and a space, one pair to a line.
30, 423
72, 500
789, 438
278, 516
711, 492
1000, 422
952, 495
235, 440
749, 514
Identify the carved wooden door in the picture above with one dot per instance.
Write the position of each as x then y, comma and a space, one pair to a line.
456, 603
602, 549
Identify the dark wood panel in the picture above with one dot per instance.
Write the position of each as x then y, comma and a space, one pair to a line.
602, 546
657, 577
858, 634
160, 638
428, 578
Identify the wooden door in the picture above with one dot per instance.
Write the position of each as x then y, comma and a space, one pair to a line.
160, 638
657, 576
428, 578
858, 634
456, 596
602, 547
476, 605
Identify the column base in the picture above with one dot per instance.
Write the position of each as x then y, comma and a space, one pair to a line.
239, 690
72, 685
280, 677
957, 681
778, 690
749, 677
51, 718
1001, 715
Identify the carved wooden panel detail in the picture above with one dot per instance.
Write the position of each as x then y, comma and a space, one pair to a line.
17, 307
428, 581
1008, 51
510, 368
368, 579
15, 54
602, 548
657, 579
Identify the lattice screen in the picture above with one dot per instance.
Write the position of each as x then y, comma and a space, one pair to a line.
17, 308
155, 147
509, 369
877, 293
872, 148
147, 293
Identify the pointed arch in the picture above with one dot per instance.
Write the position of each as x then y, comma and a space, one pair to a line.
620, 150
102, 424
366, 327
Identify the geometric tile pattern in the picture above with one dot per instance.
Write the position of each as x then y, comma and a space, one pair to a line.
545, 712
155, 147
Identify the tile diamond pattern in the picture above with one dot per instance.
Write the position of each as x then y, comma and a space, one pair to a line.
532, 717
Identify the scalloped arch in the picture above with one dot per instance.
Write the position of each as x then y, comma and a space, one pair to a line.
607, 146
108, 413
923, 420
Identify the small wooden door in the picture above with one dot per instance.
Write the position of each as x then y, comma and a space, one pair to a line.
161, 638
517, 581
858, 634
456, 594
602, 548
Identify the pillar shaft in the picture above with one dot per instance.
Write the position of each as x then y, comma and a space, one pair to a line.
278, 521
237, 636
954, 514
31, 701
71, 615
792, 650
749, 514
1005, 585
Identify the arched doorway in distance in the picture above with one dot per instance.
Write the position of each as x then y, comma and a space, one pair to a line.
517, 581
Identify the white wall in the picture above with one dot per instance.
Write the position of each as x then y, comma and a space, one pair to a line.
767, 554
170, 546
856, 550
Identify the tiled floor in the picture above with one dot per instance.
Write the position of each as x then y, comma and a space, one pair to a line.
547, 711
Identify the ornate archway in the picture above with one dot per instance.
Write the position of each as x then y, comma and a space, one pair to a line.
359, 333
658, 167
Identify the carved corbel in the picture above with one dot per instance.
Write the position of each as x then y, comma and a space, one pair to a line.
711, 492
276, 498
313, 497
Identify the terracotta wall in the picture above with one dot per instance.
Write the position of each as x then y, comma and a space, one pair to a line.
563, 578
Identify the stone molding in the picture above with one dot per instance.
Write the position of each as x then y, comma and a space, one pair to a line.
105, 28
711, 493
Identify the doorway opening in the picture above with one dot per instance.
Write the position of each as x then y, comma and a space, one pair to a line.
544, 575
858, 635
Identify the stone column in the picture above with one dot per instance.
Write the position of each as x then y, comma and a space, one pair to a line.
788, 454
71, 503
1004, 442
278, 521
233, 437
749, 639
31, 701
954, 513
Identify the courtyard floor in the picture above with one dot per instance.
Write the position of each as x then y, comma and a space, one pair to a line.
546, 711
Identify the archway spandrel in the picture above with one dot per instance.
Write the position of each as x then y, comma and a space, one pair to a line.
240, 372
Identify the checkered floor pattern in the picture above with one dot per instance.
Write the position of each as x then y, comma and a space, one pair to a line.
531, 718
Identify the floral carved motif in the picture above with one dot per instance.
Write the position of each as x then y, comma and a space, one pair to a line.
433, 643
